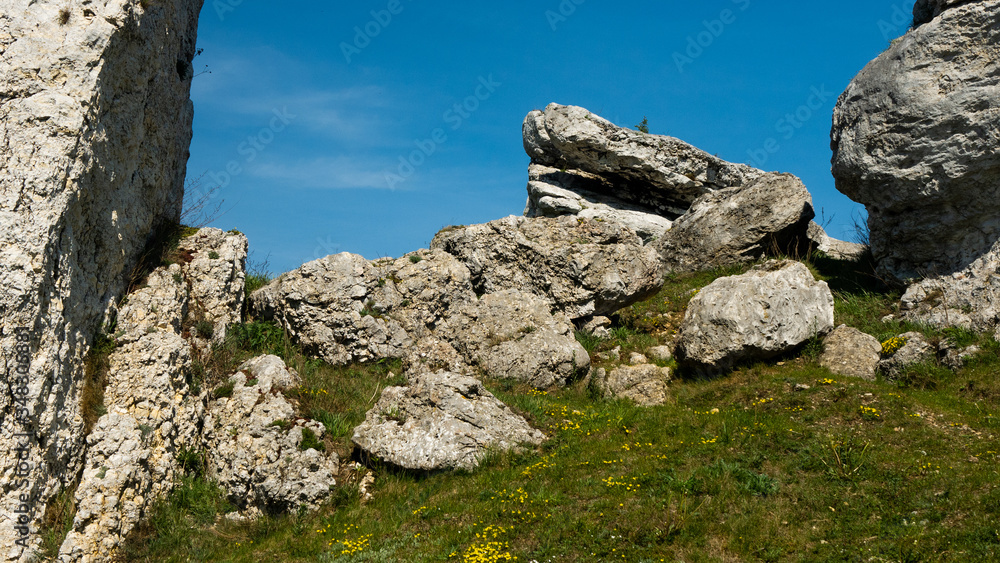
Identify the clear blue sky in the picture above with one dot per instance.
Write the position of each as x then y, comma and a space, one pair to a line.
312, 117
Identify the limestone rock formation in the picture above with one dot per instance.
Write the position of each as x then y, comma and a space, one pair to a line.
254, 443
344, 308
770, 310
440, 421
215, 265
914, 139
554, 193
968, 298
152, 412
511, 334
661, 174
848, 351
646, 384
584, 267
95, 123
770, 216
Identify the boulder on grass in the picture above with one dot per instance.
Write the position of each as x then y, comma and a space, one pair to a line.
848, 351
770, 310
441, 421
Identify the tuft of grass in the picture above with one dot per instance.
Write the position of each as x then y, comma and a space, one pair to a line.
205, 329
223, 391
95, 378
311, 441
258, 275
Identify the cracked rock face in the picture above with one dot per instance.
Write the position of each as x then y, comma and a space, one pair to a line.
770, 216
441, 421
512, 335
421, 307
254, 443
583, 267
344, 308
771, 309
153, 414
661, 174
914, 139
95, 123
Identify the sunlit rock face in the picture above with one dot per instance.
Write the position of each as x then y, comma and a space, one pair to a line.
914, 140
95, 124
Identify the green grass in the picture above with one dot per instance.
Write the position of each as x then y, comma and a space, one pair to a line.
778, 461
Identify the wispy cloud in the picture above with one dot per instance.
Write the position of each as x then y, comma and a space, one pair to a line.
324, 173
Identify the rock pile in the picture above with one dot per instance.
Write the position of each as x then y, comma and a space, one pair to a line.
698, 210
500, 295
153, 413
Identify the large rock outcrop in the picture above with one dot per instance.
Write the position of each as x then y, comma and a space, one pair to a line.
154, 411
701, 210
914, 139
662, 174
440, 421
344, 309
771, 216
583, 267
95, 124
770, 310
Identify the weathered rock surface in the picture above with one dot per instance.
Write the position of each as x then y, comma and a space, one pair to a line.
216, 271
512, 335
345, 309
969, 298
848, 351
661, 174
645, 384
584, 267
253, 442
915, 137
770, 310
441, 421
740, 224
152, 412
95, 123
837, 249
554, 193
916, 350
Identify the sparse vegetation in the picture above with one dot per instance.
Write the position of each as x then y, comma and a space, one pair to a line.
778, 461
644, 126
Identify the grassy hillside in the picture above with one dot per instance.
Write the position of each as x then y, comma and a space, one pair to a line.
779, 461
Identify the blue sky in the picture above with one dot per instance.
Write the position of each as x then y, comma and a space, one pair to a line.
311, 109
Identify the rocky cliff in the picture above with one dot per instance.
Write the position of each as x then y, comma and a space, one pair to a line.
95, 124
914, 139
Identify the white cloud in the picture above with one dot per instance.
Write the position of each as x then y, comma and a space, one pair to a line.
324, 173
